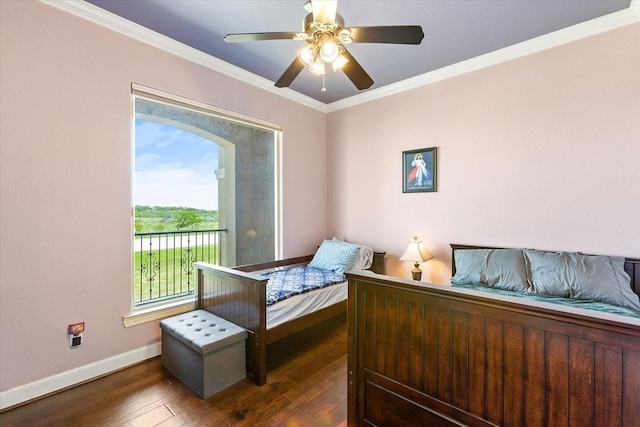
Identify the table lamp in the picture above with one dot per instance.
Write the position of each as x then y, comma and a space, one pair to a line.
416, 253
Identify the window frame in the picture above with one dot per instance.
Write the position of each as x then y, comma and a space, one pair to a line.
155, 311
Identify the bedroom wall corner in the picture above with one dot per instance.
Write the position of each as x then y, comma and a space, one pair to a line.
541, 151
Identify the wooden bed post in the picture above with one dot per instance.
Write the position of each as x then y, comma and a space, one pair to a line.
260, 372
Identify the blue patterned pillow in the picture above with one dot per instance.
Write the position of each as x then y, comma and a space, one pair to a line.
335, 256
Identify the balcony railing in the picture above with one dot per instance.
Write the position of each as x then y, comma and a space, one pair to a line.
163, 262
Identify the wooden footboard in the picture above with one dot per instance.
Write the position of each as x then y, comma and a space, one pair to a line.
240, 297
424, 355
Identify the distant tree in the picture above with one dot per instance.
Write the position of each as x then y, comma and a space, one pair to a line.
188, 219
138, 226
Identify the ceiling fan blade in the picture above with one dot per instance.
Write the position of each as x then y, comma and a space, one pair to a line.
324, 10
252, 37
290, 73
356, 73
398, 34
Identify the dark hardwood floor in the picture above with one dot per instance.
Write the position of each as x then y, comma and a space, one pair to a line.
306, 386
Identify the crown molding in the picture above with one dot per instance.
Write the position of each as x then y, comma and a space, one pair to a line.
580, 31
576, 32
138, 32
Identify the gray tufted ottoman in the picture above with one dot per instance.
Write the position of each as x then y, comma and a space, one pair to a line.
204, 351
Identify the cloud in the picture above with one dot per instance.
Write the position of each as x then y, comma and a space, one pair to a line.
176, 187
174, 167
146, 160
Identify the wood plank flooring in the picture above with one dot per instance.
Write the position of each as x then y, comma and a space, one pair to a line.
306, 386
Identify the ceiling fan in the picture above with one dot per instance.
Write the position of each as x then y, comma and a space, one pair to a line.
326, 34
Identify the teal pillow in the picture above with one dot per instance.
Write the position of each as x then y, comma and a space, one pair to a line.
494, 268
587, 277
335, 256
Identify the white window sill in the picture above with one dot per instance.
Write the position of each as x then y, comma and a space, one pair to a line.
158, 312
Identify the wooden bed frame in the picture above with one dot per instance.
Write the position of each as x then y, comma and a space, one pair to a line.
421, 354
239, 296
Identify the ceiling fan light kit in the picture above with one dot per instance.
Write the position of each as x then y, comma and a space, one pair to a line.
324, 30
329, 50
324, 44
321, 51
339, 62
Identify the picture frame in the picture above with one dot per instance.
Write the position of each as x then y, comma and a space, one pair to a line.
420, 170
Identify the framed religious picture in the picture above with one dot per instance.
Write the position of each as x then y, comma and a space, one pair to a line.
419, 170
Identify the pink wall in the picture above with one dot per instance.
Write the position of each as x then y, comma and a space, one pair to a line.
66, 186
543, 152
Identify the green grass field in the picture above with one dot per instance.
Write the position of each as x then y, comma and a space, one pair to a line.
162, 218
167, 273
174, 274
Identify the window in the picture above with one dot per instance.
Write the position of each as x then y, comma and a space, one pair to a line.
205, 189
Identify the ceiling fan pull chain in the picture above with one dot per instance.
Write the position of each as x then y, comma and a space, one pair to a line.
324, 89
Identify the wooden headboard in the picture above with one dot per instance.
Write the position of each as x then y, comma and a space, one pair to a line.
631, 265
377, 264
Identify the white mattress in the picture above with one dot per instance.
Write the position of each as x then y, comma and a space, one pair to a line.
299, 305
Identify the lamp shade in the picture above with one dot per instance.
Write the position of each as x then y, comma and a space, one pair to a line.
416, 252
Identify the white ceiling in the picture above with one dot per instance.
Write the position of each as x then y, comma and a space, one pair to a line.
455, 31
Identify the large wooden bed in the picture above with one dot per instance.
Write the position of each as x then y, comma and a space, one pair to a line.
431, 355
238, 295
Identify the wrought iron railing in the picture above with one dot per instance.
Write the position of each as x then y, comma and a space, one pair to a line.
163, 262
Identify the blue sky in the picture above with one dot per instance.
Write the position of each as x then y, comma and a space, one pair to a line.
174, 167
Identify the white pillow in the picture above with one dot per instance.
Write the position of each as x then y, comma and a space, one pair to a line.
363, 259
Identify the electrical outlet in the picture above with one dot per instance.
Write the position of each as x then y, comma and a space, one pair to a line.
75, 334
75, 341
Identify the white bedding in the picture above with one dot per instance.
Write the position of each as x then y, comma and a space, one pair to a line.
299, 305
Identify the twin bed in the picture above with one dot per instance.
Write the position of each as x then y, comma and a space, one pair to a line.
482, 355
478, 354
241, 295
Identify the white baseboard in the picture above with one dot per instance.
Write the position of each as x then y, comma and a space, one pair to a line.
60, 381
